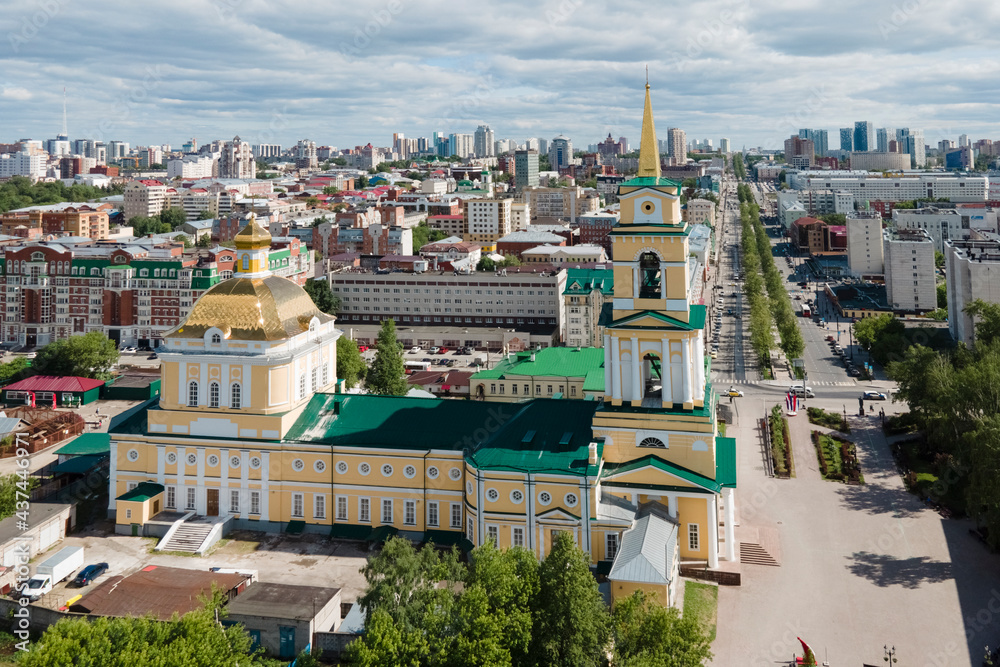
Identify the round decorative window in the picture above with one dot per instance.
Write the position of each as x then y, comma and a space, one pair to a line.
652, 442
255, 462
234, 462
468, 488
648, 207
319, 466
364, 468
432, 472
192, 459
493, 495
544, 497
342, 467
213, 460
133, 455
386, 470
171, 457
516, 496
409, 472
570, 499
298, 465
455, 474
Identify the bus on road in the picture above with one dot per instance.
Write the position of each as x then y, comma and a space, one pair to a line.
806, 310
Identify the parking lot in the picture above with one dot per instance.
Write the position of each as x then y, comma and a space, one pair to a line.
306, 560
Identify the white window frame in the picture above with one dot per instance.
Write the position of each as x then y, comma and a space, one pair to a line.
517, 536
172, 497
364, 510
192, 498
493, 533
192, 401
694, 537
298, 505
234, 501
342, 508
319, 506
612, 543
236, 396
387, 505
214, 394
255, 502
433, 514
470, 529
131, 485
409, 512
456, 515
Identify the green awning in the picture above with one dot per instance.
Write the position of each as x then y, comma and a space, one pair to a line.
443, 538
142, 492
295, 527
382, 533
344, 531
79, 464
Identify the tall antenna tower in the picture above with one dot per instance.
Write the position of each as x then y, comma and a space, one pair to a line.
65, 128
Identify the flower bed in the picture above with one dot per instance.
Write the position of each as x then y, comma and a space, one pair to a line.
833, 420
838, 458
781, 450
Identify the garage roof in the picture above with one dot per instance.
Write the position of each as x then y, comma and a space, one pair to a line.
283, 601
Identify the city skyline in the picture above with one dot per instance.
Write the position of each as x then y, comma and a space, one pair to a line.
353, 75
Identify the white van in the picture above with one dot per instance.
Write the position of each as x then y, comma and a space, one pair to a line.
798, 390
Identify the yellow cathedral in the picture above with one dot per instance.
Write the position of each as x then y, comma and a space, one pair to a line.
250, 432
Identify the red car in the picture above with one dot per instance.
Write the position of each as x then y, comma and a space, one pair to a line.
443, 350
362, 348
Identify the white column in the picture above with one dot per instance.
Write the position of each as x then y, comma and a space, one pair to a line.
699, 367
607, 365
730, 521
635, 281
686, 369
636, 371
666, 387
713, 533
663, 280
616, 369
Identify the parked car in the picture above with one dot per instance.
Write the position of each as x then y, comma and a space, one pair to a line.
853, 371
434, 350
153, 356
89, 573
428, 360
830, 338
414, 350
874, 396
443, 350
129, 350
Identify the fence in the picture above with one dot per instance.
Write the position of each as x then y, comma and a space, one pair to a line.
721, 578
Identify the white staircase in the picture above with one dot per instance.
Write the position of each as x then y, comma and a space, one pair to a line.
187, 537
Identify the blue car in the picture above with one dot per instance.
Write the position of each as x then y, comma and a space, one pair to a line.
89, 573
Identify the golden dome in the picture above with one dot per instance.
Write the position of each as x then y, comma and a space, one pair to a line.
252, 236
271, 308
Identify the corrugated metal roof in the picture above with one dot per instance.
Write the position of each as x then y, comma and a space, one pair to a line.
53, 383
87, 444
547, 362
647, 550
282, 601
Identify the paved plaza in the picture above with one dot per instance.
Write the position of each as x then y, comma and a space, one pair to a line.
862, 566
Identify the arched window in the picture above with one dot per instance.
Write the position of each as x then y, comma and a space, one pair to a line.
213, 395
246, 262
235, 396
649, 274
216, 339
192, 394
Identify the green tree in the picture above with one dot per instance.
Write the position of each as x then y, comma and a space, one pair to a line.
321, 294
193, 640
205, 215
339, 161
869, 329
509, 582
10, 485
15, 369
987, 318
386, 374
312, 202
174, 217
186, 240
204, 241
362, 182
939, 259
143, 226
331, 190
942, 295
571, 626
350, 366
648, 635
91, 355
486, 263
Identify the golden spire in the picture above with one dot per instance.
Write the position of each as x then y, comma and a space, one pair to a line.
252, 236
649, 150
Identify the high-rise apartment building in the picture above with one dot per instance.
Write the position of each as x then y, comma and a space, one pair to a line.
460, 144
305, 155
677, 145
525, 169
910, 276
883, 136
486, 221
483, 142
963, 140
724, 145
799, 152
236, 160
864, 136
912, 142
864, 243
117, 150
264, 151
847, 139
561, 152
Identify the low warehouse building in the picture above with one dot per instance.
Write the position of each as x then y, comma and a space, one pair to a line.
283, 618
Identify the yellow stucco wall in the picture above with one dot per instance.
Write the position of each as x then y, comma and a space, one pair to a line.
693, 510
621, 590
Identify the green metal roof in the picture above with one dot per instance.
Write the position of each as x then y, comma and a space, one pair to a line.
79, 464
549, 362
648, 182
588, 280
87, 444
725, 462
594, 380
664, 466
144, 491
696, 319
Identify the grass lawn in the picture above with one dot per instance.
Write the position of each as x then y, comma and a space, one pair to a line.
701, 601
923, 481
834, 420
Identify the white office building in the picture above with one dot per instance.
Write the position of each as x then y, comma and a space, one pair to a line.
910, 277
864, 186
864, 244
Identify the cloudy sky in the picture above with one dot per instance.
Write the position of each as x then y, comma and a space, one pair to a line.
344, 73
